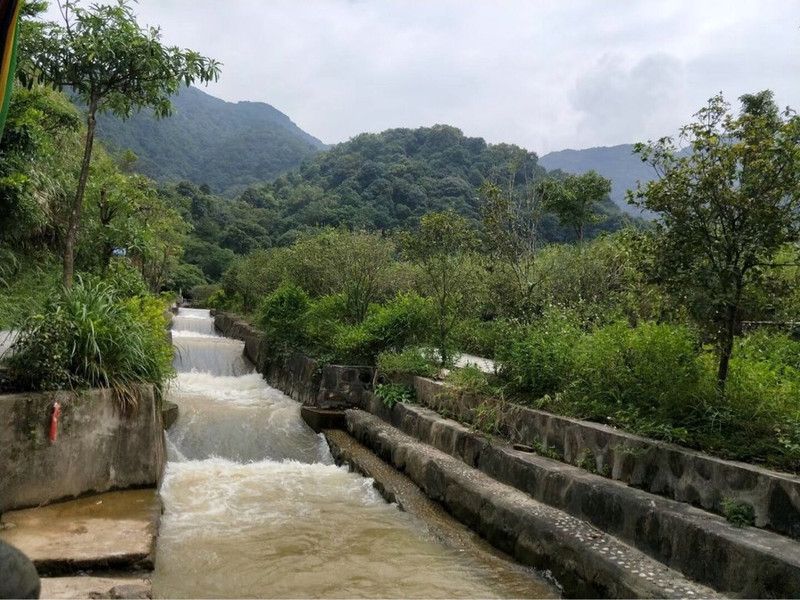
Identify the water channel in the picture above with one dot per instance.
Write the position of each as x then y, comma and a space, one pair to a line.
255, 507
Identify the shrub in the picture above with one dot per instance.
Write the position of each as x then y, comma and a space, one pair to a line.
759, 414
483, 338
87, 337
647, 378
539, 358
283, 320
392, 393
412, 361
401, 322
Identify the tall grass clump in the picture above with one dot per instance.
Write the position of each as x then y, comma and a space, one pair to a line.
539, 359
648, 379
758, 416
88, 337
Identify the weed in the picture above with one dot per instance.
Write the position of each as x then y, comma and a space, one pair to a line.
546, 450
738, 513
588, 462
488, 417
392, 393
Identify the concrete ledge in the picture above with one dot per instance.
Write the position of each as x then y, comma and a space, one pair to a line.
658, 467
64, 588
747, 562
232, 327
116, 530
98, 447
319, 419
169, 413
586, 561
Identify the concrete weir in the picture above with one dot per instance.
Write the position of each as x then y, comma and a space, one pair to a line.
632, 531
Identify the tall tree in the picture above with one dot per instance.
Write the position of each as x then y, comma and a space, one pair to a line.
440, 247
112, 64
725, 209
573, 199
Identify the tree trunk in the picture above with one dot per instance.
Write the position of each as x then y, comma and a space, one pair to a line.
77, 204
725, 345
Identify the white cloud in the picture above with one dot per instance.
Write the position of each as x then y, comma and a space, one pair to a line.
542, 74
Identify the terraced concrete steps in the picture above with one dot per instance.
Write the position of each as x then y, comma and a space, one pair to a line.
700, 545
584, 559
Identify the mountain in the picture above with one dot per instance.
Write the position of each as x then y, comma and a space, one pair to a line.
388, 180
210, 141
618, 163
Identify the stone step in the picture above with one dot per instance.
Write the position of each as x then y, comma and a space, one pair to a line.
703, 546
584, 559
69, 588
114, 530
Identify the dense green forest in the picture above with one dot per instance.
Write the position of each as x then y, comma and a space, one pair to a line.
224, 145
382, 182
406, 247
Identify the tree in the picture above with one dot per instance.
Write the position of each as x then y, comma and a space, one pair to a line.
573, 199
111, 64
725, 209
440, 247
511, 219
353, 264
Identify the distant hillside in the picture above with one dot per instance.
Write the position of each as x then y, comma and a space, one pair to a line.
207, 140
618, 163
388, 180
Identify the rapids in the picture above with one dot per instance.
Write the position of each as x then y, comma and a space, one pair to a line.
254, 506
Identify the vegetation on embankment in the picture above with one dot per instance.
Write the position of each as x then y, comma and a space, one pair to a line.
601, 341
445, 243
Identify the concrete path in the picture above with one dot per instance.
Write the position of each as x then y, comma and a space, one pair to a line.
115, 530
484, 364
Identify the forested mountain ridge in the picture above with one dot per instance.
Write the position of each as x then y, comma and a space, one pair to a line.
208, 140
388, 180
617, 163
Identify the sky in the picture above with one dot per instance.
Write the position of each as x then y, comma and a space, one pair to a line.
543, 74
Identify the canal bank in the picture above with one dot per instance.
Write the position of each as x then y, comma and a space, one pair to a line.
698, 548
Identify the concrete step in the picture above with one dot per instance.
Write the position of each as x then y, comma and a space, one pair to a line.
119, 586
114, 530
584, 559
703, 546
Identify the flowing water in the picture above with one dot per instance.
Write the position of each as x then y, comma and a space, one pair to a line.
254, 506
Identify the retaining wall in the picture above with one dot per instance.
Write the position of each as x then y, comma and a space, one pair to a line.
98, 447
658, 467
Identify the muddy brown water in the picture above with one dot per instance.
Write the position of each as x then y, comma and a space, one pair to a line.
255, 507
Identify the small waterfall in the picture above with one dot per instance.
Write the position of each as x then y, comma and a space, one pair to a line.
254, 506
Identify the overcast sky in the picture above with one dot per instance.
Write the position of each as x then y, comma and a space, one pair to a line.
546, 75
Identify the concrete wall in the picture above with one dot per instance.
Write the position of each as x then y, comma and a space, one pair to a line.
742, 562
658, 467
98, 448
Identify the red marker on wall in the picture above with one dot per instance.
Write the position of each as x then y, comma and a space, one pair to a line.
54, 421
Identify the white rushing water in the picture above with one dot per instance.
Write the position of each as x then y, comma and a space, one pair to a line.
254, 506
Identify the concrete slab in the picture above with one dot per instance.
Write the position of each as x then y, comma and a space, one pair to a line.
95, 587
102, 531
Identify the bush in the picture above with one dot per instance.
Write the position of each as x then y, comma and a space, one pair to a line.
759, 414
24, 288
283, 320
648, 378
87, 337
412, 361
483, 338
186, 277
401, 322
404, 321
538, 359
